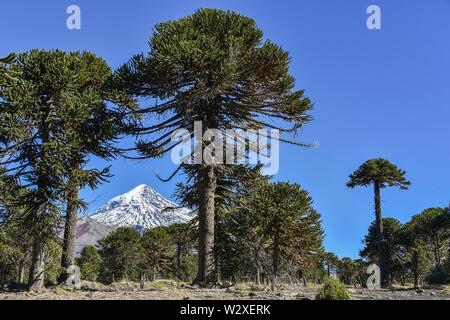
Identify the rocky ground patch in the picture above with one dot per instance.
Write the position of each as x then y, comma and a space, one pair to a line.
170, 290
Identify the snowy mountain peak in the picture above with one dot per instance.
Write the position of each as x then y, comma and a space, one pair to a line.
141, 208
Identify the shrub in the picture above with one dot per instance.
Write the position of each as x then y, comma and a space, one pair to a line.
332, 289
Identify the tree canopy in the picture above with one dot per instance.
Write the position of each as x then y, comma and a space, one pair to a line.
381, 171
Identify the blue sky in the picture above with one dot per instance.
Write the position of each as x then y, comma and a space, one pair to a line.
377, 93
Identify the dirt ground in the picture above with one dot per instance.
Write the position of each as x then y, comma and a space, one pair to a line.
166, 290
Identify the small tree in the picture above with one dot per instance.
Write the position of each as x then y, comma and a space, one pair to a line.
416, 251
156, 245
121, 254
331, 262
89, 263
183, 241
431, 230
285, 217
379, 173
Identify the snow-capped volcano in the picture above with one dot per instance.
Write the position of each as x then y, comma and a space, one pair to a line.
141, 208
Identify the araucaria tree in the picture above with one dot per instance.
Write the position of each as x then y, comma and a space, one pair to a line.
285, 217
379, 173
213, 67
392, 247
92, 127
52, 118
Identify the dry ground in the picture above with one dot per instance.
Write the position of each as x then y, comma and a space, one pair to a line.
168, 290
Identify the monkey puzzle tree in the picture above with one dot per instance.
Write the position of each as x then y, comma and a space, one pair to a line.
121, 254
52, 119
331, 261
32, 150
284, 215
416, 250
91, 128
89, 263
381, 174
156, 250
433, 227
392, 246
215, 68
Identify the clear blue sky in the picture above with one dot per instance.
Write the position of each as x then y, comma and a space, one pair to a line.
383, 93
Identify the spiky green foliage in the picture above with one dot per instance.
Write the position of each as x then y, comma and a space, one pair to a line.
417, 253
6, 75
215, 68
287, 218
352, 272
156, 251
183, 240
32, 136
121, 253
271, 229
332, 289
97, 116
89, 263
381, 171
15, 252
53, 118
331, 262
432, 229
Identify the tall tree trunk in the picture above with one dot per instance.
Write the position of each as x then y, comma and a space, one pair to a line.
379, 222
207, 189
436, 250
36, 277
258, 268
70, 230
21, 275
179, 255
275, 260
415, 267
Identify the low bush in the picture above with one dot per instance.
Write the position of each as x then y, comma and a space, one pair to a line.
332, 289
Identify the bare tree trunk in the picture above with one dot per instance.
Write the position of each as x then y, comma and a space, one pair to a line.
257, 263
379, 221
275, 256
36, 277
70, 231
415, 268
436, 250
207, 189
275, 261
21, 275
142, 282
305, 282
